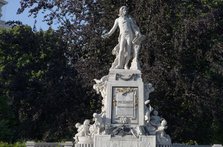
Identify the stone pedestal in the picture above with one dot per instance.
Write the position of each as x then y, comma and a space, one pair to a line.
127, 118
125, 98
126, 141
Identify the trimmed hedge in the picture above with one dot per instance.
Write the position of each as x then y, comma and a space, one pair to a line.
17, 144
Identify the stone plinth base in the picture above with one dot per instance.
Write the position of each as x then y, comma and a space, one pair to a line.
126, 141
84, 141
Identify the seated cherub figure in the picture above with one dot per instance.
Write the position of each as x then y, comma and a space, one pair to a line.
155, 119
83, 130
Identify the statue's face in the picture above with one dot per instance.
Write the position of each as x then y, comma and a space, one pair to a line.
125, 11
155, 113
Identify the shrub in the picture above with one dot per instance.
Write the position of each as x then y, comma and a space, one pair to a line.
17, 144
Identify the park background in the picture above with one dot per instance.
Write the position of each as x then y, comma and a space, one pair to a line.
46, 75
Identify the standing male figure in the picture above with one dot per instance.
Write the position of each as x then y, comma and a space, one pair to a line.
129, 40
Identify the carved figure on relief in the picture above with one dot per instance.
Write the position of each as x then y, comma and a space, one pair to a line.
148, 88
152, 119
148, 110
98, 125
155, 119
100, 88
129, 41
161, 135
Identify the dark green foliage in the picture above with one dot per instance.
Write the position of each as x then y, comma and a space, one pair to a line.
7, 119
39, 87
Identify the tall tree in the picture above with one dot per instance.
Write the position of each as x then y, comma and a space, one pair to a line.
39, 85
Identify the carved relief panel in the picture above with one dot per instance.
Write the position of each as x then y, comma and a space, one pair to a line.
124, 105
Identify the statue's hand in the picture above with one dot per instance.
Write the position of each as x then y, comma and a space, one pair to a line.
105, 36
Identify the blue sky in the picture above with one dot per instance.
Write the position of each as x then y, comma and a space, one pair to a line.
9, 13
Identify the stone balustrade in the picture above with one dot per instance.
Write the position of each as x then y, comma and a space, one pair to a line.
83, 145
71, 144
49, 144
